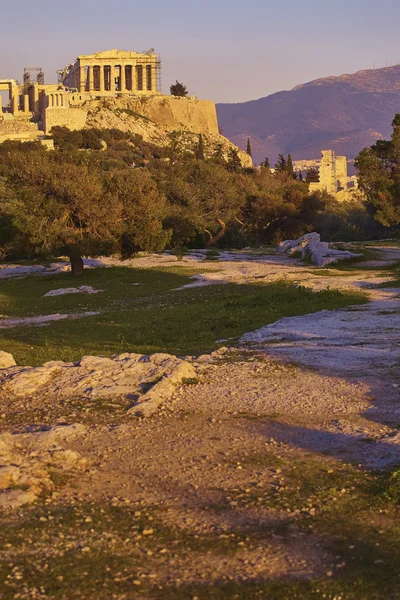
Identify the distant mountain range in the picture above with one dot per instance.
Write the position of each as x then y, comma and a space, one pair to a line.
344, 114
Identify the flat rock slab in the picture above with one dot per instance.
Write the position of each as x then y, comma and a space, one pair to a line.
351, 340
42, 320
83, 289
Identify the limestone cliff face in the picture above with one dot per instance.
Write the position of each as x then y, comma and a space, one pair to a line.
199, 116
156, 117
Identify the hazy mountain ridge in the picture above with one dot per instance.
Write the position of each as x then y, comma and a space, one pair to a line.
344, 113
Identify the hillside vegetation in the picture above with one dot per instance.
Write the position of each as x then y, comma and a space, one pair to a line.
106, 191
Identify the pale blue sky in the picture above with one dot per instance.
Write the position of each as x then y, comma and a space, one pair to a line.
227, 51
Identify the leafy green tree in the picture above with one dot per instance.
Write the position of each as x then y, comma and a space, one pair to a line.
205, 200
62, 207
379, 177
234, 163
278, 207
178, 89
248, 149
142, 210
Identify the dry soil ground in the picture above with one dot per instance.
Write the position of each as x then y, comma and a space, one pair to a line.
255, 480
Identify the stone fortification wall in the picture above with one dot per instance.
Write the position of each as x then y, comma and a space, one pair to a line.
73, 118
18, 130
170, 112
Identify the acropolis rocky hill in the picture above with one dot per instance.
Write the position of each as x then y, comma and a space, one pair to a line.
113, 89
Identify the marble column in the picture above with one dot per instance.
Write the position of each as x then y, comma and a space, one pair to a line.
111, 78
90, 79
134, 84
122, 79
101, 78
82, 79
26, 103
14, 103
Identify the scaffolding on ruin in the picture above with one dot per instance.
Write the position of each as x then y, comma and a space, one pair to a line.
149, 53
39, 77
158, 74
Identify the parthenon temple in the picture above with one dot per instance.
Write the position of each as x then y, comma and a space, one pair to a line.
114, 71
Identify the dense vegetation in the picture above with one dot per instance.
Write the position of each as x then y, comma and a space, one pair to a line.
107, 191
379, 172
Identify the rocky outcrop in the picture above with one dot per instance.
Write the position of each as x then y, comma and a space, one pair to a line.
310, 246
27, 461
6, 360
146, 381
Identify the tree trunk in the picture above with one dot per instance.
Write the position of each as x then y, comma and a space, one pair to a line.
76, 262
214, 238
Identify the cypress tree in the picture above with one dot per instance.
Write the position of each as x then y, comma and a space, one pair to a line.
200, 148
281, 165
289, 166
248, 150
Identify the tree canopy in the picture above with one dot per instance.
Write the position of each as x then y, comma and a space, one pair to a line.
379, 177
178, 89
103, 192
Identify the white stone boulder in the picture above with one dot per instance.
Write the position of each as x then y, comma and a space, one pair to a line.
6, 360
310, 246
293, 246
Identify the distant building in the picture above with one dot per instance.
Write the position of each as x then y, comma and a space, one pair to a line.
332, 174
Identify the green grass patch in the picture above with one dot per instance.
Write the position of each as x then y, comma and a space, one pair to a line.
212, 254
143, 311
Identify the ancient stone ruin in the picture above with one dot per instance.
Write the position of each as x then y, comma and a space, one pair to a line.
310, 246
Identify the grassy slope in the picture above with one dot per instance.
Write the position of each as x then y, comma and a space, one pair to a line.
150, 317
